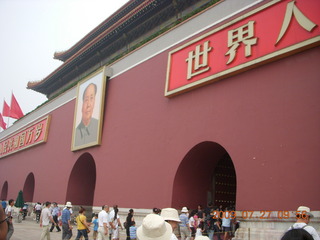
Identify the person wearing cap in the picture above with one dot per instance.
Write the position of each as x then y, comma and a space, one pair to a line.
66, 222
154, 228
171, 216
185, 230
303, 215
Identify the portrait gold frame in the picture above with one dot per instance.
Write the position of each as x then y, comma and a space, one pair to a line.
99, 78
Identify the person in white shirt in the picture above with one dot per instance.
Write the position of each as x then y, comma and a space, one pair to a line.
38, 209
45, 220
303, 215
115, 222
103, 221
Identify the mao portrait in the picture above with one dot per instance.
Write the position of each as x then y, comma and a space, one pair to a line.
88, 117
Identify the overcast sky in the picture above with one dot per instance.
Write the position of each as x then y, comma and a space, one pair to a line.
31, 31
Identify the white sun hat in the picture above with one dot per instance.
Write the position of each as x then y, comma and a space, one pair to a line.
170, 214
304, 210
68, 204
154, 228
184, 210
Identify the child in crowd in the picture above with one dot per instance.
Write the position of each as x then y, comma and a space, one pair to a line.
200, 229
95, 226
133, 231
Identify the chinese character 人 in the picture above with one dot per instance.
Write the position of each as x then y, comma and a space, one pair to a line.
304, 22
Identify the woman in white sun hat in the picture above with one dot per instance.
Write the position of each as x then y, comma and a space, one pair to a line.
171, 216
154, 228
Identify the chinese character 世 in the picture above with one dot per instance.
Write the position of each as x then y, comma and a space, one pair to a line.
304, 22
198, 60
242, 34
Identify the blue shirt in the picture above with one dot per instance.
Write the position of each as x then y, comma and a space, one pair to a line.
55, 211
66, 215
184, 220
96, 224
4, 204
133, 232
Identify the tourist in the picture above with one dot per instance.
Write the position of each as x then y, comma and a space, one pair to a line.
154, 228
304, 215
3, 224
185, 230
9, 211
82, 225
45, 220
133, 231
103, 220
55, 215
171, 216
95, 223
115, 223
128, 223
66, 222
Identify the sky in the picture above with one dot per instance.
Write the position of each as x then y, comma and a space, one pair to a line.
31, 31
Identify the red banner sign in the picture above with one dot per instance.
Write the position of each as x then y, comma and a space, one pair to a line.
274, 30
30, 136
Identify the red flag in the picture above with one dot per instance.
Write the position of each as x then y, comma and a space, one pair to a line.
6, 109
16, 111
2, 123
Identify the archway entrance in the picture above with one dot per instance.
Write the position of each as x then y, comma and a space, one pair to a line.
82, 181
28, 188
206, 174
4, 191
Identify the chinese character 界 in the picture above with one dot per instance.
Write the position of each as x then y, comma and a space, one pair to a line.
198, 60
292, 9
242, 34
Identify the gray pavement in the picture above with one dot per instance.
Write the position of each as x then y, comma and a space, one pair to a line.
30, 230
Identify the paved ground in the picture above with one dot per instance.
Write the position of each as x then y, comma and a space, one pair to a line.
30, 230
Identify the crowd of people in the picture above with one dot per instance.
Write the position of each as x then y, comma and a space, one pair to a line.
162, 224
213, 222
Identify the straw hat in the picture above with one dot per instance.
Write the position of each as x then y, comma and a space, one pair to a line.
184, 210
304, 210
154, 228
68, 204
170, 214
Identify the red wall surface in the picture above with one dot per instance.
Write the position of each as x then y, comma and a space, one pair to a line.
267, 119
